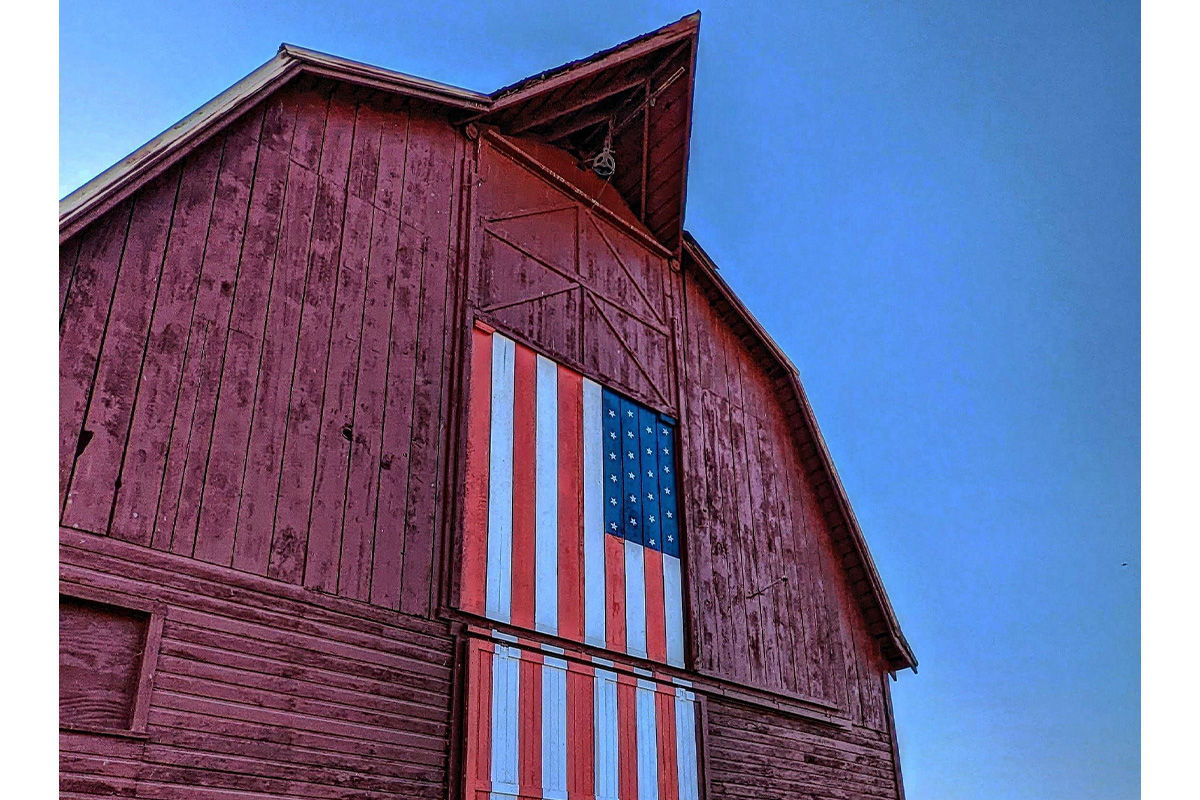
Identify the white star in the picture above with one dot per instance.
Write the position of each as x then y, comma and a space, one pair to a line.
629, 454
630, 434
649, 473
666, 470
651, 518
612, 525
612, 413
632, 522
670, 516
649, 429
649, 495
666, 432
612, 502
612, 478
666, 490
632, 476
666, 451
612, 456
670, 538
633, 498
629, 413
612, 434
652, 542
649, 451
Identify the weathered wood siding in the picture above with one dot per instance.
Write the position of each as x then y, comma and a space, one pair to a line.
253, 350
264, 690
760, 754
568, 276
258, 384
770, 604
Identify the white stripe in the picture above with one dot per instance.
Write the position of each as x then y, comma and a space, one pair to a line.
500, 482
635, 599
506, 677
606, 735
593, 514
647, 742
685, 745
554, 729
545, 615
673, 603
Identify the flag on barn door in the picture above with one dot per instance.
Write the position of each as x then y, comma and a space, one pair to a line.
540, 725
571, 524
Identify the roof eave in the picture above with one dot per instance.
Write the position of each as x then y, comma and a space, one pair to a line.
575, 70
122, 179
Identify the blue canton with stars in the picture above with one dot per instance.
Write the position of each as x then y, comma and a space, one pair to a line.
640, 502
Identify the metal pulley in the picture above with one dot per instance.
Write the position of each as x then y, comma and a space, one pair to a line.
604, 163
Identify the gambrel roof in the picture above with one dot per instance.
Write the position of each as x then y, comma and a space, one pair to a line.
637, 95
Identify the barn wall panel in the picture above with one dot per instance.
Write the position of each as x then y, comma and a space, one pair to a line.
254, 349
770, 603
755, 753
265, 690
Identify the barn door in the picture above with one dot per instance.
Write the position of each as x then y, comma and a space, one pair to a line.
580, 281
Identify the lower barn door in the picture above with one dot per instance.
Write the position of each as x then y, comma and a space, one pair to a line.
545, 725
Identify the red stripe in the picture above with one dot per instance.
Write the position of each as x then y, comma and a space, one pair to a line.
581, 746
627, 781
524, 486
529, 737
570, 504
656, 621
614, 592
479, 722
473, 585
668, 764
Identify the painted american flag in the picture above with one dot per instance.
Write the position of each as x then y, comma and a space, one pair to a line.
571, 523
543, 723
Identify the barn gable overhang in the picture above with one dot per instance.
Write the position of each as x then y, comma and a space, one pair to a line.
636, 96
848, 541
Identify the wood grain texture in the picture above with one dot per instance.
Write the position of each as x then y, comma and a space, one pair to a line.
263, 689
770, 604
99, 663
754, 753
254, 349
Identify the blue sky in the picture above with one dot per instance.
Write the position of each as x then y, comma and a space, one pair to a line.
934, 208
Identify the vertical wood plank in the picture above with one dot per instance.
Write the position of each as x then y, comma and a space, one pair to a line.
695, 489
181, 278
295, 555
68, 257
757, 572
264, 454
85, 315
726, 584
143, 467
409, 303
816, 588
431, 209
339, 434
366, 455
794, 621
239, 372
203, 365
94, 480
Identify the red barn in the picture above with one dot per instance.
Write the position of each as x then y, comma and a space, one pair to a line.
410, 447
